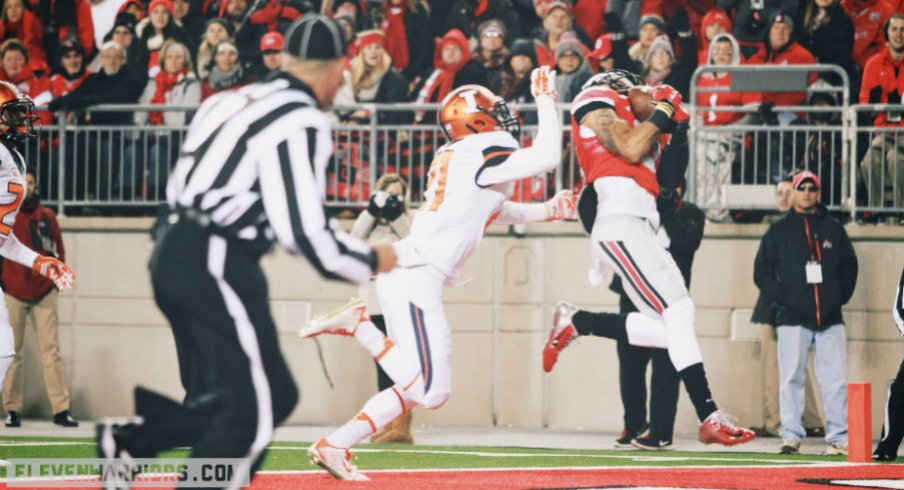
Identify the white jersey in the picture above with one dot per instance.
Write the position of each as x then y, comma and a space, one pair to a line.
12, 187
457, 208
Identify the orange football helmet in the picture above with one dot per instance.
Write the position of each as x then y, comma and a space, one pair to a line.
471, 109
17, 115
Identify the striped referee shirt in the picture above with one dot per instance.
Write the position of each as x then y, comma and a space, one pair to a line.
254, 162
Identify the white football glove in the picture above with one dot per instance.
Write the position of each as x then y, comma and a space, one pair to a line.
562, 206
543, 82
62, 276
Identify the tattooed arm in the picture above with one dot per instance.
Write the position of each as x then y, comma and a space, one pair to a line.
619, 138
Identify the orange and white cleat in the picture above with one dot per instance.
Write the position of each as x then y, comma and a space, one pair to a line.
562, 333
341, 321
335, 460
720, 428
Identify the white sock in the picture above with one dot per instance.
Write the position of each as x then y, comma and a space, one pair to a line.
683, 347
380, 410
644, 331
400, 369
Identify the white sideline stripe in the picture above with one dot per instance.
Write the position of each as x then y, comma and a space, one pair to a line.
557, 468
571, 455
44, 443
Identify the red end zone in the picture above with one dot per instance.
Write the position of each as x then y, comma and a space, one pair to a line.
760, 478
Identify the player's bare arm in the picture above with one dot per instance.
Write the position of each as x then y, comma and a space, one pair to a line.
615, 134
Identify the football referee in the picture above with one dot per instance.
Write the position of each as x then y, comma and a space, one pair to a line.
251, 172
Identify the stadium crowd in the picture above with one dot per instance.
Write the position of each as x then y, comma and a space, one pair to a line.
72, 54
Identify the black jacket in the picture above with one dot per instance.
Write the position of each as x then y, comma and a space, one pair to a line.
393, 89
831, 44
124, 87
780, 269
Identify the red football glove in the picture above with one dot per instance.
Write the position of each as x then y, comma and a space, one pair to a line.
671, 96
55, 270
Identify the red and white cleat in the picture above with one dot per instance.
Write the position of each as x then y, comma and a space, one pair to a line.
720, 428
341, 321
335, 460
562, 333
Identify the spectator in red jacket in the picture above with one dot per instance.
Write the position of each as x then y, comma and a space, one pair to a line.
589, 15
226, 73
408, 37
868, 17
16, 69
153, 31
68, 73
715, 22
779, 48
28, 295
452, 68
883, 83
68, 18
24, 25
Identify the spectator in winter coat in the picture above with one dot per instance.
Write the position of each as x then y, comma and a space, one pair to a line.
807, 269
225, 72
651, 26
153, 31
452, 68
557, 20
868, 17
218, 29
65, 18
16, 69
663, 67
175, 84
715, 22
780, 48
24, 25
69, 72
122, 33
515, 87
571, 68
491, 52
192, 22
408, 37
828, 33
271, 56
751, 19
373, 79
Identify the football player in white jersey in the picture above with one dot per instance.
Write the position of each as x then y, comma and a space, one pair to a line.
470, 180
16, 125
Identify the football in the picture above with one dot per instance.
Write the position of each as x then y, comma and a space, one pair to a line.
642, 103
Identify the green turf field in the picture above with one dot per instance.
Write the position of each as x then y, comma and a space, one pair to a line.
292, 456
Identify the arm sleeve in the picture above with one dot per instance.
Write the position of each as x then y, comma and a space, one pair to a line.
764, 270
516, 213
12, 249
543, 156
291, 175
849, 268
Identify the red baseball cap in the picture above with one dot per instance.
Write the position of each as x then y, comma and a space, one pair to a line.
557, 5
272, 41
803, 176
602, 48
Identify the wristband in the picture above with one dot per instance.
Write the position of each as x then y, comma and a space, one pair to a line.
662, 120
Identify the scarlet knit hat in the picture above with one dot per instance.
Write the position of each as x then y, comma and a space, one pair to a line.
370, 37
167, 4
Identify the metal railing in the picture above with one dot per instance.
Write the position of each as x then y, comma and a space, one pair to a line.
731, 167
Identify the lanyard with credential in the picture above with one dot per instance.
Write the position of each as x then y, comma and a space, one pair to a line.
810, 241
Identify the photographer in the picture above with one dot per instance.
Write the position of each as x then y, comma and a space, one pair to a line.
386, 220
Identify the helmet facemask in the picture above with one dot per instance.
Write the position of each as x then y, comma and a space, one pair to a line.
17, 119
504, 117
618, 80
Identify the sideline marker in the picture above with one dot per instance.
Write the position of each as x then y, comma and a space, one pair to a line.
860, 423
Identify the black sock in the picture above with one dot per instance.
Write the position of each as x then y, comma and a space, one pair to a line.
697, 387
609, 325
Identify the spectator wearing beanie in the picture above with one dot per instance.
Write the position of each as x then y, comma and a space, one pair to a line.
452, 68
408, 37
24, 25
491, 52
557, 20
271, 56
123, 33
17, 71
723, 51
66, 18
68, 73
153, 31
515, 77
663, 67
372, 78
218, 30
174, 84
715, 22
225, 72
779, 48
248, 37
134, 8
651, 26
572, 70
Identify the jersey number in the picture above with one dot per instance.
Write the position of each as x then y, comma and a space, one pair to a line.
6, 209
436, 180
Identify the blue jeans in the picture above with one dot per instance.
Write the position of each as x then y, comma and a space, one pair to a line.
830, 366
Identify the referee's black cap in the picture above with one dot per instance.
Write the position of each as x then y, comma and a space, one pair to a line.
315, 37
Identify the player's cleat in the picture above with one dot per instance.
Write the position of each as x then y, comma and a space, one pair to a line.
624, 440
720, 428
341, 321
883, 457
562, 333
117, 460
335, 460
649, 443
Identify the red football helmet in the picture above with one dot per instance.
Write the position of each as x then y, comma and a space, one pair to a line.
17, 115
471, 109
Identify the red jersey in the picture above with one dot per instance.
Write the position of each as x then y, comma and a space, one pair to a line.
595, 159
882, 71
722, 99
869, 17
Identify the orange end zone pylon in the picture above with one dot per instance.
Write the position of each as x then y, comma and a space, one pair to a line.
860, 423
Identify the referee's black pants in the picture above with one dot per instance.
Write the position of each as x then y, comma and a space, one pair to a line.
893, 428
214, 294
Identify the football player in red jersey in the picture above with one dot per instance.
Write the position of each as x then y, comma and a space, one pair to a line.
619, 155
